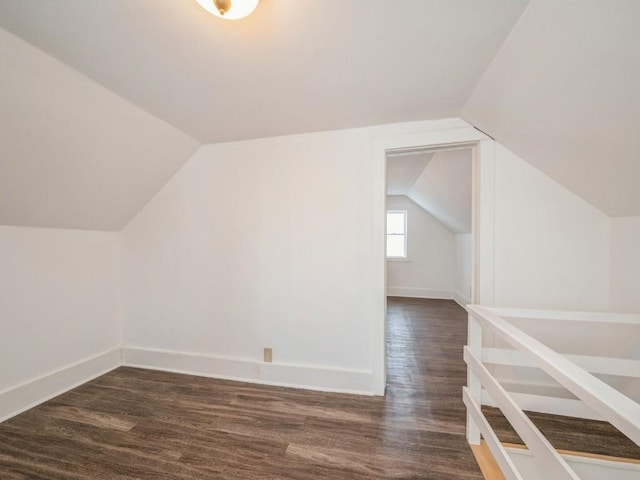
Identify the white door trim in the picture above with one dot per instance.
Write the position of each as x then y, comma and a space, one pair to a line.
446, 133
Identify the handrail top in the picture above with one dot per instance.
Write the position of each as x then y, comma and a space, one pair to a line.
569, 315
594, 392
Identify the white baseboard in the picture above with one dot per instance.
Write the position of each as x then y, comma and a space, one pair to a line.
461, 300
412, 292
20, 398
27, 395
248, 370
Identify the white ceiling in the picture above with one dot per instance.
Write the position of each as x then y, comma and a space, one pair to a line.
564, 94
292, 66
404, 170
72, 153
444, 189
560, 91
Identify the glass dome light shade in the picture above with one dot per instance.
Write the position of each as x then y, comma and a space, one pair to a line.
235, 9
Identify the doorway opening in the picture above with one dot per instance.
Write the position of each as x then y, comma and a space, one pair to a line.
429, 223
456, 136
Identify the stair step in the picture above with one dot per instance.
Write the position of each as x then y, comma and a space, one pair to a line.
571, 453
486, 461
626, 467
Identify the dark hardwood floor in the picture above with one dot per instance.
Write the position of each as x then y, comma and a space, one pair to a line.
567, 433
141, 424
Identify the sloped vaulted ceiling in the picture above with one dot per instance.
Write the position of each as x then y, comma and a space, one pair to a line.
72, 153
404, 170
292, 66
121, 93
437, 181
444, 189
564, 94
76, 155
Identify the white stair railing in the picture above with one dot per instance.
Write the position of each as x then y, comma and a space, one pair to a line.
569, 371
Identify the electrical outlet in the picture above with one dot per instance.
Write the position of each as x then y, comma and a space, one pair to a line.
268, 355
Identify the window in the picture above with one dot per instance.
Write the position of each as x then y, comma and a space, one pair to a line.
396, 234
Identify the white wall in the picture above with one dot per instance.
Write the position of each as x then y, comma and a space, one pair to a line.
264, 243
625, 288
276, 242
625, 264
462, 268
279, 242
562, 93
429, 268
551, 248
59, 305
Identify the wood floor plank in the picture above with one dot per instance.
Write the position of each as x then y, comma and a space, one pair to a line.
568, 433
139, 424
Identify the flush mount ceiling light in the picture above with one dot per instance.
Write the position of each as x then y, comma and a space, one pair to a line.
229, 9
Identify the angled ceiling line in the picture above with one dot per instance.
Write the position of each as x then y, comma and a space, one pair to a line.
421, 173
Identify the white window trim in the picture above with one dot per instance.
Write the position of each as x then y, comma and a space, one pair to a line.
405, 258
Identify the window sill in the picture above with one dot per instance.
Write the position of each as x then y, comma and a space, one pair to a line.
398, 259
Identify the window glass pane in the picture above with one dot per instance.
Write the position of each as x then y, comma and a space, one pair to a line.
395, 223
395, 246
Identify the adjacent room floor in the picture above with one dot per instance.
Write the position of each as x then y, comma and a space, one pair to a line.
141, 424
